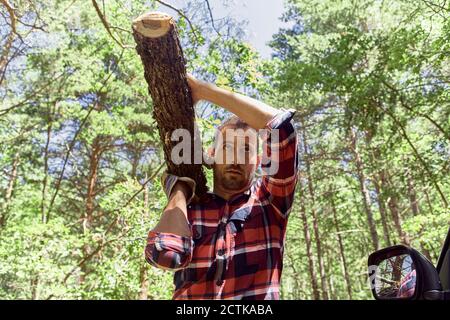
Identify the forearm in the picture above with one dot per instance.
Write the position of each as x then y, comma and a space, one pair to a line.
174, 218
256, 113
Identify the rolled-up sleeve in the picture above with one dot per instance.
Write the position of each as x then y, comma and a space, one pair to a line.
168, 251
279, 162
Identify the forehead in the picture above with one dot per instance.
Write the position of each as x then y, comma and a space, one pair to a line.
231, 133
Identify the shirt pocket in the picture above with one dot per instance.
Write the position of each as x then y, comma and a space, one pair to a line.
203, 229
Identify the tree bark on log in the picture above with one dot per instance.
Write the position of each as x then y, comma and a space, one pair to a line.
158, 45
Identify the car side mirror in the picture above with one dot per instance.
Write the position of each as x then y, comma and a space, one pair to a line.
402, 273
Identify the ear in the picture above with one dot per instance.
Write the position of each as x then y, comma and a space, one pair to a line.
211, 151
209, 158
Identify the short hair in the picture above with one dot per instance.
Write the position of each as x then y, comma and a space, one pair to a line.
238, 123
235, 121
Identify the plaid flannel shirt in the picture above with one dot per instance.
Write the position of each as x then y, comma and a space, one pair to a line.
236, 248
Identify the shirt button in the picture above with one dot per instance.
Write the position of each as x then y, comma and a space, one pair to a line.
219, 282
221, 252
158, 244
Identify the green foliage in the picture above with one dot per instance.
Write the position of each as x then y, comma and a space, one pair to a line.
81, 155
372, 85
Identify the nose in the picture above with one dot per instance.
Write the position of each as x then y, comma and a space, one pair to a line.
235, 155
231, 156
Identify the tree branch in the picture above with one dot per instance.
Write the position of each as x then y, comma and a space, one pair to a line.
212, 18
11, 36
107, 26
72, 143
416, 153
406, 106
108, 230
181, 13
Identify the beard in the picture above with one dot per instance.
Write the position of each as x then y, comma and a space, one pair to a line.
233, 182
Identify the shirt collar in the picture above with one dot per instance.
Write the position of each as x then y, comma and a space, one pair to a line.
245, 194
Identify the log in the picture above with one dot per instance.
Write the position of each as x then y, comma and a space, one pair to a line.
159, 47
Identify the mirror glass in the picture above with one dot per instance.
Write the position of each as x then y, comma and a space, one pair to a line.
396, 277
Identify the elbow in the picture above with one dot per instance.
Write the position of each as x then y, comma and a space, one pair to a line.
168, 252
166, 259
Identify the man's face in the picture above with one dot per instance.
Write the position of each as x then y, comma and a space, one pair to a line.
235, 158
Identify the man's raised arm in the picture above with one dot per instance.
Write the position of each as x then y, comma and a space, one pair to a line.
256, 113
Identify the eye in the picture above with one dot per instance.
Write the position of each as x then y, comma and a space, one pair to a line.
227, 146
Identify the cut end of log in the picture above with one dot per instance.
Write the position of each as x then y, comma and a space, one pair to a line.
153, 24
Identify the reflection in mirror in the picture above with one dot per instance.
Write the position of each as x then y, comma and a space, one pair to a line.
396, 277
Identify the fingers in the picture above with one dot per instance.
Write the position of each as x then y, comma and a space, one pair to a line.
190, 77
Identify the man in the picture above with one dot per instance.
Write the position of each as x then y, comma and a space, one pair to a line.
407, 286
230, 246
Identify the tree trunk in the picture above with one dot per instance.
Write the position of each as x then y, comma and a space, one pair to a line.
94, 160
383, 214
143, 275
44, 217
393, 208
34, 288
414, 203
9, 190
164, 70
333, 295
309, 254
323, 280
364, 192
341, 248
429, 203
415, 208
